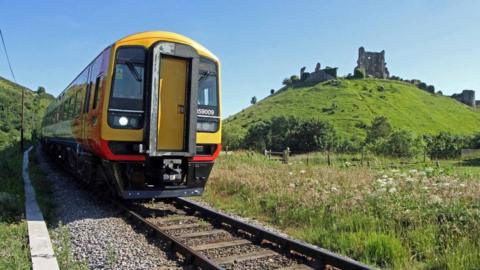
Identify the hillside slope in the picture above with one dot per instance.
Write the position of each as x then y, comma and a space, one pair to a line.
10, 110
350, 105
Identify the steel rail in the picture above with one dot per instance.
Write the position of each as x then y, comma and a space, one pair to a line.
192, 257
321, 257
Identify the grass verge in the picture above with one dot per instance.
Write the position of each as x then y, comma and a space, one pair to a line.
425, 218
14, 249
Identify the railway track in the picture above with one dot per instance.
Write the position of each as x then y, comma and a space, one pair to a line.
208, 239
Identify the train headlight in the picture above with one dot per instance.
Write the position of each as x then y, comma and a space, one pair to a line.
123, 121
207, 126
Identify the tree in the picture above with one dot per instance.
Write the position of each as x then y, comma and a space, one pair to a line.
402, 144
272, 91
41, 90
231, 138
294, 78
431, 89
259, 136
359, 73
475, 141
445, 145
253, 100
422, 86
314, 135
379, 129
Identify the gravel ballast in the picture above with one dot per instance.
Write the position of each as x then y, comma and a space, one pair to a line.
98, 235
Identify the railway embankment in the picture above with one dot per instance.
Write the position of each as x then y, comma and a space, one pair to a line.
89, 234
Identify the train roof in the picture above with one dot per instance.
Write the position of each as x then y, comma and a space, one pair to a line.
168, 36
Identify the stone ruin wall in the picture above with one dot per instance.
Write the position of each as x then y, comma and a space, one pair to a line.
467, 97
373, 63
318, 75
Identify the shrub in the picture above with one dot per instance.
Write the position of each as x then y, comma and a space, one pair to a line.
431, 89
422, 86
359, 73
294, 78
258, 136
400, 144
231, 139
445, 145
380, 128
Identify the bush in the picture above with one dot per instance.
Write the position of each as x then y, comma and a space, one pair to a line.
359, 73
445, 145
380, 128
294, 79
422, 86
399, 144
231, 139
431, 89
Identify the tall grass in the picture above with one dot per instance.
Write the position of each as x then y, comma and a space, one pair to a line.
427, 218
14, 249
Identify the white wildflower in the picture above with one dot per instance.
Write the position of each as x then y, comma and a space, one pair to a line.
410, 179
435, 199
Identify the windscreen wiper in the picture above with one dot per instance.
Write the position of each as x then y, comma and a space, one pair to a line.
132, 69
205, 74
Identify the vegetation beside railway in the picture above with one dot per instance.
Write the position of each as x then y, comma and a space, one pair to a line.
10, 111
418, 216
14, 249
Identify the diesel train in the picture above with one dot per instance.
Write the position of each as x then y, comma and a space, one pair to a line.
143, 116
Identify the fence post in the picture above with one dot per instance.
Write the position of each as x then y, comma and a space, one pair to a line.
286, 153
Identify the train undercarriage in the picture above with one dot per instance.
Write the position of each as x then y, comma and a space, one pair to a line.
156, 177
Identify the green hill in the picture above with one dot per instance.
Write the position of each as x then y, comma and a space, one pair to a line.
350, 105
10, 110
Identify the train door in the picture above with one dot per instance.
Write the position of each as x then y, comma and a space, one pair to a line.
172, 92
173, 106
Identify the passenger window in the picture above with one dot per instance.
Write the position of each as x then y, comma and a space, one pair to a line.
87, 98
78, 103
96, 95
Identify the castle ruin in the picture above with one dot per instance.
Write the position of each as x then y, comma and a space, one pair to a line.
317, 76
467, 97
373, 63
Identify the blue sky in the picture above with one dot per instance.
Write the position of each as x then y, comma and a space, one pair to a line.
258, 42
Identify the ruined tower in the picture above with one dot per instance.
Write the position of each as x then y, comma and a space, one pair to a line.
467, 97
373, 63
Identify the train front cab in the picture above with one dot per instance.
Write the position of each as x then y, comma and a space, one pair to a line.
162, 132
